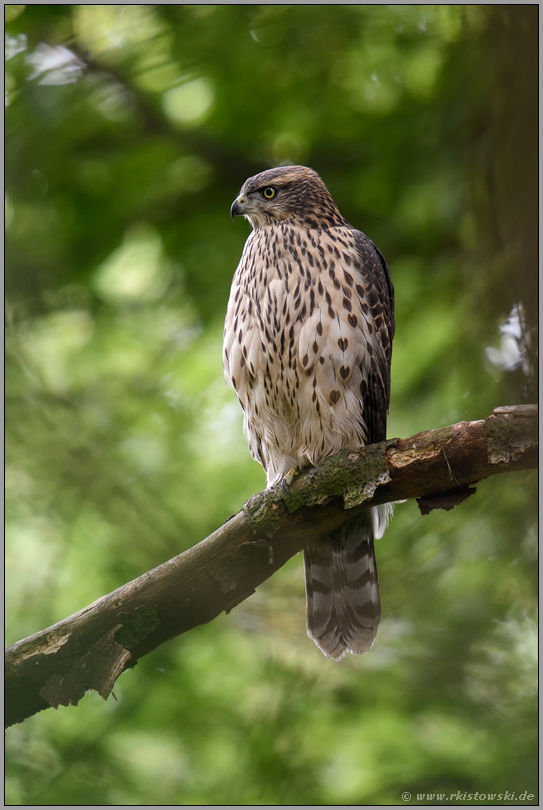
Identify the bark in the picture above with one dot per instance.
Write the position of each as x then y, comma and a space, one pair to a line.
90, 649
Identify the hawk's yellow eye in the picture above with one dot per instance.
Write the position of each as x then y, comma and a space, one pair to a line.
269, 193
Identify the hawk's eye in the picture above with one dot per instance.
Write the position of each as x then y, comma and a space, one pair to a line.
269, 193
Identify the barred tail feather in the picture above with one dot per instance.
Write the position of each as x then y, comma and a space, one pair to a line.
342, 590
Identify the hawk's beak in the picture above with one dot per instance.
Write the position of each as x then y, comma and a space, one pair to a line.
238, 207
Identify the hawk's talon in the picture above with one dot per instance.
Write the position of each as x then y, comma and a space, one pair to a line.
289, 477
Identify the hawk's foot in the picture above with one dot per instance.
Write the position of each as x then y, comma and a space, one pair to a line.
289, 477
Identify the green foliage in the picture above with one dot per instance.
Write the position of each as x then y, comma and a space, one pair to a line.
124, 447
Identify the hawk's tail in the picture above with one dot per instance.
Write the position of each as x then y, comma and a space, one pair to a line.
342, 590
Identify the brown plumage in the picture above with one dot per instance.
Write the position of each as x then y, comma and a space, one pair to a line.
307, 347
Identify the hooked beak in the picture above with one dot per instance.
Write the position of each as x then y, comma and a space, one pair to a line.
238, 207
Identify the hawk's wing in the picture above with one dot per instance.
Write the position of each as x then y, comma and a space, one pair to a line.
378, 295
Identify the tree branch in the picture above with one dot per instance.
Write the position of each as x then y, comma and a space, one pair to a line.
90, 649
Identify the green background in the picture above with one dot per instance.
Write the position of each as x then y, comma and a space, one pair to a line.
129, 131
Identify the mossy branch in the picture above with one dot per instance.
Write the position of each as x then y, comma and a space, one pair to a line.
90, 649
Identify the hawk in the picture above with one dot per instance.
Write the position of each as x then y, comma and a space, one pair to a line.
307, 348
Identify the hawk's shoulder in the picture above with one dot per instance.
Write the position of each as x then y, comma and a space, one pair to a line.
379, 286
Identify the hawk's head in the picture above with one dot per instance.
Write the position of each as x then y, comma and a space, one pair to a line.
293, 193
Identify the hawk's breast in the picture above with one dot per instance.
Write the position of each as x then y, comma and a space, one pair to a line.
301, 345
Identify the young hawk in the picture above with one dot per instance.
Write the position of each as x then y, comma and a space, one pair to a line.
307, 347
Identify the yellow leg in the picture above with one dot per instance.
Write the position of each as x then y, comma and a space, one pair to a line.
289, 477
